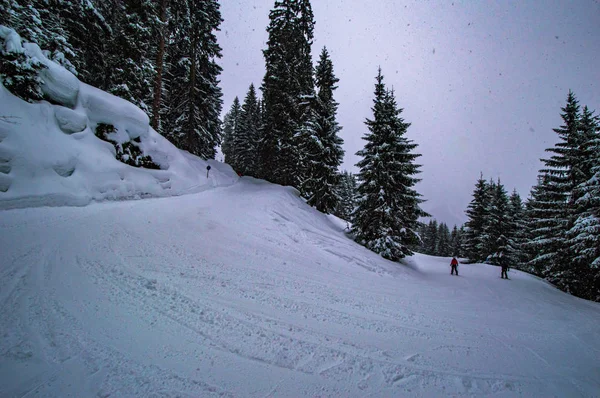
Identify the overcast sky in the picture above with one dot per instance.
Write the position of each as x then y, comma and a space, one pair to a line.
482, 82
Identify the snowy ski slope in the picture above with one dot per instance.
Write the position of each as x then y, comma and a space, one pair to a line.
245, 291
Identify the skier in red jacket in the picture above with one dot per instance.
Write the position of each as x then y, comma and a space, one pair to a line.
454, 265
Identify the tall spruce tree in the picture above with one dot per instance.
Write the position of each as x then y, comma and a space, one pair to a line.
444, 248
497, 225
194, 97
321, 147
162, 32
245, 142
430, 238
474, 227
584, 235
231, 127
516, 237
347, 191
555, 214
385, 220
288, 89
132, 56
456, 242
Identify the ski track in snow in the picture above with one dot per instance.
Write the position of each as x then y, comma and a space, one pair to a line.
246, 291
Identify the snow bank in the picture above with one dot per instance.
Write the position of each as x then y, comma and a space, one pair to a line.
50, 156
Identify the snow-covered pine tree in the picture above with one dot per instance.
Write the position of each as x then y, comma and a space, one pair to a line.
38, 21
18, 72
320, 145
474, 227
191, 120
456, 242
288, 89
544, 229
89, 26
347, 191
132, 54
162, 33
497, 226
245, 141
443, 245
231, 127
430, 238
584, 235
553, 215
385, 219
514, 248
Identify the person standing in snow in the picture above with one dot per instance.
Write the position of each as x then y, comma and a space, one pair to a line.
502, 261
454, 265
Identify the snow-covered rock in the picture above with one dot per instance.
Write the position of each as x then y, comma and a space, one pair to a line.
102, 107
40, 165
70, 121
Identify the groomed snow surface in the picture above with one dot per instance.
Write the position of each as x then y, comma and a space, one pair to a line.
246, 291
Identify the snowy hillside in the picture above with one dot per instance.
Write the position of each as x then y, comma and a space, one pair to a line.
50, 153
246, 291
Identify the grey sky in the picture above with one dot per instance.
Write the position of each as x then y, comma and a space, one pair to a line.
481, 82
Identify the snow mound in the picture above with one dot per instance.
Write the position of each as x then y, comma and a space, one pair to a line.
51, 156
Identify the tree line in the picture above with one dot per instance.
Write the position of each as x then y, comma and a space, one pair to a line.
438, 240
160, 55
555, 233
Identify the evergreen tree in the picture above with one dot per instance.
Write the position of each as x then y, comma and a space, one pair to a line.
474, 227
245, 142
19, 73
158, 86
39, 22
514, 248
288, 89
498, 228
430, 238
132, 57
231, 126
443, 245
553, 215
192, 119
456, 242
347, 191
321, 148
584, 235
385, 219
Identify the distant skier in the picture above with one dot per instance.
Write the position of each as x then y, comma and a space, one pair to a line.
454, 265
504, 265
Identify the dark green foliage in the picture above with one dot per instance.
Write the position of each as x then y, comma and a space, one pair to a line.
385, 219
128, 152
320, 145
347, 191
248, 136
497, 229
430, 238
231, 126
474, 227
444, 248
193, 97
288, 90
20, 75
132, 56
456, 242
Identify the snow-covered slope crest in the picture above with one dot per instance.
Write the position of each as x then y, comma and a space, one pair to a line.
50, 155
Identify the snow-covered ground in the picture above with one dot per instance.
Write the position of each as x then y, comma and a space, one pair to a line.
246, 291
